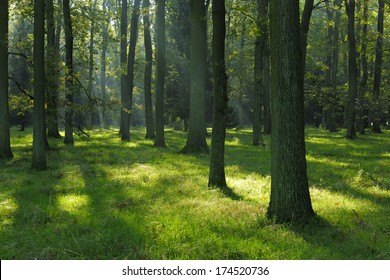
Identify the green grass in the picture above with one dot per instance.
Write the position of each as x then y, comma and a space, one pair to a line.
104, 199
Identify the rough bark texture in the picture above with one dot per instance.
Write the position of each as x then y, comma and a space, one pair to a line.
69, 75
259, 70
125, 126
52, 73
352, 71
160, 75
378, 69
5, 144
148, 72
290, 197
39, 126
217, 155
196, 137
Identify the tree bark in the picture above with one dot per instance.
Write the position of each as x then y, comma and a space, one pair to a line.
5, 143
378, 69
290, 197
52, 74
125, 110
259, 70
103, 92
69, 88
39, 125
159, 141
130, 67
217, 155
196, 137
148, 72
352, 71
305, 25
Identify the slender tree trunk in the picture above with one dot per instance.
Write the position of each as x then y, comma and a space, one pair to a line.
5, 143
124, 129
148, 72
352, 71
305, 25
69, 88
196, 138
217, 155
52, 74
259, 70
103, 92
290, 197
93, 118
363, 82
160, 75
130, 67
39, 126
378, 69
267, 88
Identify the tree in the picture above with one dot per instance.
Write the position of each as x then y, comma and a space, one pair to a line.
148, 72
5, 143
305, 25
217, 153
69, 88
290, 197
124, 129
378, 68
52, 73
130, 65
259, 70
352, 71
160, 75
39, 126
196, 138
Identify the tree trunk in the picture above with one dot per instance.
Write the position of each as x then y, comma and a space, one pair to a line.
125, 110
290, 197
5, 143
148, 72
159, 141
304, 31
103, 92
259, 70
363, 82
217, 155
39, 126
267, 89
130, 65
352, 71
52, 74
196, 138
378, 70
69, 89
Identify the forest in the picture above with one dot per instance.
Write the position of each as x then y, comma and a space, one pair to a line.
194, 129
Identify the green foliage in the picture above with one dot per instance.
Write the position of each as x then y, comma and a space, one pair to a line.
104, 199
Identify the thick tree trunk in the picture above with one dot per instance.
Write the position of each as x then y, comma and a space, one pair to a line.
39, 126
290, 197
304, 31
159, 141
148, 72
125, 108
5, 143
378, 69
259, 70
52, 74
352, 71
69, 89
196, 138
217, 155
267, 89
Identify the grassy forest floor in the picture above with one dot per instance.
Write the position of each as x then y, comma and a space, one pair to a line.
104, 199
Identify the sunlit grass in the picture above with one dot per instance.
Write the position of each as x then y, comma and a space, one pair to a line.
104, 199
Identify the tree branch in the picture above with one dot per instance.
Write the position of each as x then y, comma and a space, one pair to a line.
20, 88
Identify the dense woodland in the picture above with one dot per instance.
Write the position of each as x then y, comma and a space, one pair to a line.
71, 66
